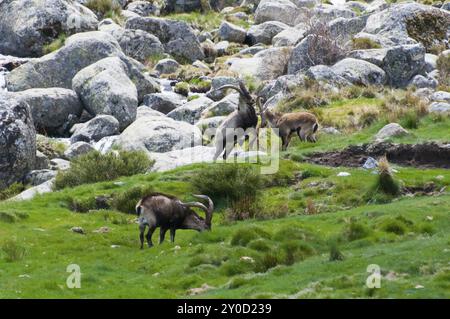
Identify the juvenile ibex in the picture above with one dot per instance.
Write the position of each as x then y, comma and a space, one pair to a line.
168, 212
242, 118
303, 123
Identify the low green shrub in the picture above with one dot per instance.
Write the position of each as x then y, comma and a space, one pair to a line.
236, 184
244, 236
394, 226
11, 191
96, 167
355, 230
126, 201
335, 253
182, 88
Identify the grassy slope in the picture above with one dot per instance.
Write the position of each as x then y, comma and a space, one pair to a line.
419, 256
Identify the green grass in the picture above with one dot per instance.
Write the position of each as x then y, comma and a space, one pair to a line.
286, 253
55, 44
289, 254
206, 21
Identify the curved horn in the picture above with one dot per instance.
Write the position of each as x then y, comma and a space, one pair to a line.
230, 86
210, 209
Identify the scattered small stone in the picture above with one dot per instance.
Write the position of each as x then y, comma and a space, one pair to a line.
197, 291
343, 174
419, 287
78, 230
430, 218
156, 274
370, 163
391, 276
247, 259
440, 177
102, 230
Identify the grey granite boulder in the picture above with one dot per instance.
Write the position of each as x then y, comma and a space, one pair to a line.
54, 110
264, 32
95, 129
191, 111
78, 149
178, 37
277, 10
17, 140
104, 88
26, 26
359, 72
164, 102
158, 134
230, 32
137, 44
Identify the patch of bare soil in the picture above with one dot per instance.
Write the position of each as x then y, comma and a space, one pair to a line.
425, 155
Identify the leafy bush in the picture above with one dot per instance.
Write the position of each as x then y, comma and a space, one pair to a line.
231, 182
96, 167
126, 201
11, 191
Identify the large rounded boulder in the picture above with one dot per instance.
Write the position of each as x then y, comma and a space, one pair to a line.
26, 26
54, 110
104, 88
17, 140
177, 37
58, 68
159, 134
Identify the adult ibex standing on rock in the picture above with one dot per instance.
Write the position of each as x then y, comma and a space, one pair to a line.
243, 118
303, 123
168, 212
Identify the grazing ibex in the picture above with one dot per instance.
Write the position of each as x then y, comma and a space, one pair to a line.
168, 212
243, 118
303, 123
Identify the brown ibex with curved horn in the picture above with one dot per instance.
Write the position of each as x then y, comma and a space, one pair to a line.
305, 124
243, 118
168, 212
